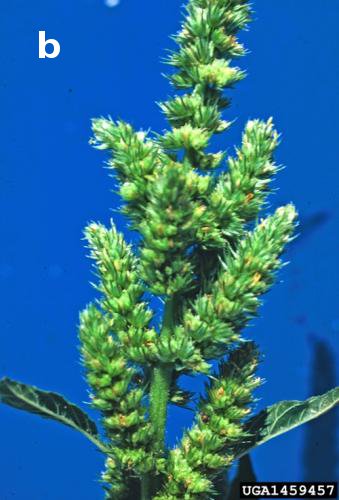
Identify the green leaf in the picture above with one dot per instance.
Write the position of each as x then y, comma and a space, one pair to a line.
285, 416
49, 405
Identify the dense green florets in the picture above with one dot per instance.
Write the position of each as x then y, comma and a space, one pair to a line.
202, 251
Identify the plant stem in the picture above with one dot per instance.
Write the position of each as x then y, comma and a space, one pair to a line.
160, 385
221, 486
159, 394
145, 488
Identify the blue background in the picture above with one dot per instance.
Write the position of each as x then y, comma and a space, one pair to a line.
52, 183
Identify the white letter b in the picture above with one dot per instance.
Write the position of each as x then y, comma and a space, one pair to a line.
42, 46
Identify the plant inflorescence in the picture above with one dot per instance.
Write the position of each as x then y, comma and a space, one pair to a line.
207, 254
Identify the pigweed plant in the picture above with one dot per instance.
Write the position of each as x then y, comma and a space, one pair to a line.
206, 254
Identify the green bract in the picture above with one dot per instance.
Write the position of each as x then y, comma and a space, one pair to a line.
208, 256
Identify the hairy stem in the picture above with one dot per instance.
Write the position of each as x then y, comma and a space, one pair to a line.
221, 486
160, 387
160, 390
145, 488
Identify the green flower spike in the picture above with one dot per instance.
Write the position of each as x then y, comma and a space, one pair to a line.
204, 258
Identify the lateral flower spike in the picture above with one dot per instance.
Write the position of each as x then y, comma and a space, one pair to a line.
208, 446
122, 291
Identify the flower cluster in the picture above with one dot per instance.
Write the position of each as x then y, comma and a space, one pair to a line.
113, 333
135, 159
215, 318
208, 446
203, 252
207, 43
207, 255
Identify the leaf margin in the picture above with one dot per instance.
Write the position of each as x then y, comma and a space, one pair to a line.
16, 395
262, 421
